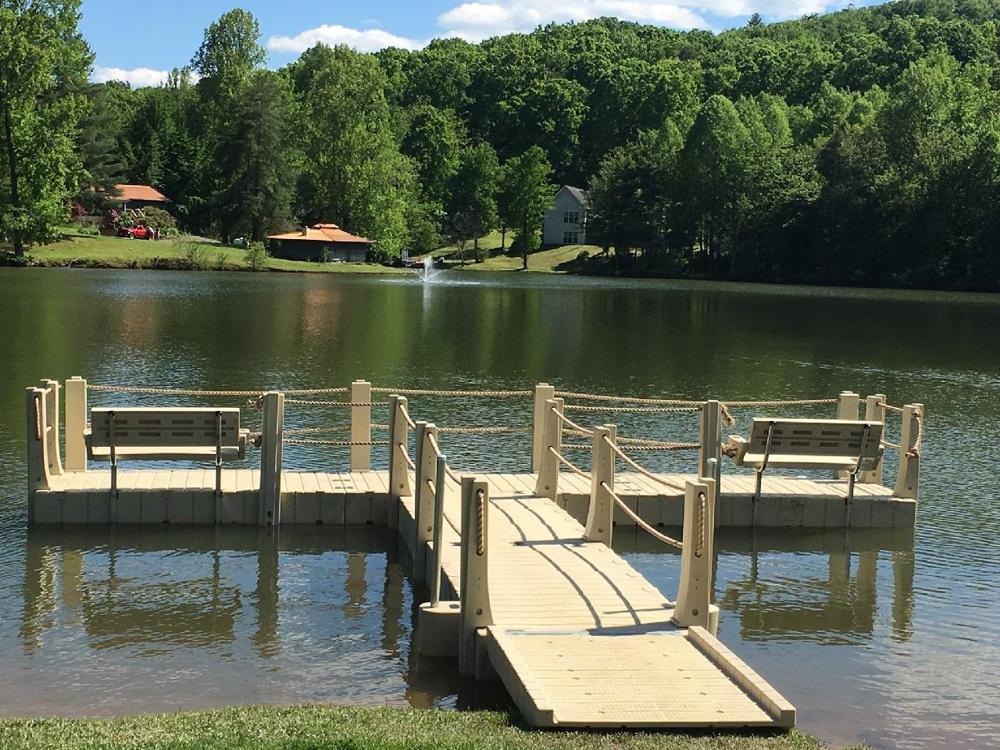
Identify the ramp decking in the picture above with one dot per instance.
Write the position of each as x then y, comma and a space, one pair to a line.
581, 639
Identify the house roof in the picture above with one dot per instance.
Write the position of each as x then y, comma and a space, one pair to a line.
321, 233
140, 193
579, 193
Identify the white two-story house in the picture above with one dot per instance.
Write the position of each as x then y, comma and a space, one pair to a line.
566, 222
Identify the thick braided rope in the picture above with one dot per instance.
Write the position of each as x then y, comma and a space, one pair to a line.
483, 430
150, 391
641, 523
311, 430
310, 402
337, 443
406, 456
579, 430
569, 464
641, 469
633, 409
785, 402
457, 394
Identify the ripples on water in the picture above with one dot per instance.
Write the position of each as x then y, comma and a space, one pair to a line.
887, 637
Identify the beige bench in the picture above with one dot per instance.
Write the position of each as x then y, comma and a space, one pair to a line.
836, 444
166, 434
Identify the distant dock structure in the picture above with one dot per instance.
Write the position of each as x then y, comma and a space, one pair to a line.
524, 584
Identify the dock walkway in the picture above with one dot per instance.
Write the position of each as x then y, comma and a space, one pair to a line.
525, 585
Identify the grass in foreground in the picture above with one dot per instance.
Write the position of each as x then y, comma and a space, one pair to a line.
118, 252
354, 728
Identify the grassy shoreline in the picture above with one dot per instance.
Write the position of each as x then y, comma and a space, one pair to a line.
357, 728
185, 254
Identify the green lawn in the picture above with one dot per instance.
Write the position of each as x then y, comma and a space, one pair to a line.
551, 260
117, 252
352, 728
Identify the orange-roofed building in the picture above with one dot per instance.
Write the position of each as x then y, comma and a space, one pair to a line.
321, 242
139, 196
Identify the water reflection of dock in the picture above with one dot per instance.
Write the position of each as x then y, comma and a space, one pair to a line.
831, 600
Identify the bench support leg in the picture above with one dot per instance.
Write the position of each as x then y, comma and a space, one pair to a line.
759, 474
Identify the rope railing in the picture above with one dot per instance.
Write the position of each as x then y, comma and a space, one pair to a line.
483, 430
632, 409
437, 452
638, 467
406, 456
406, 416
456, 394
568, 464
917, 440
628, 399
334, 443
780, 402
639, 521
158, 391
312, 430
580, 430
311, 402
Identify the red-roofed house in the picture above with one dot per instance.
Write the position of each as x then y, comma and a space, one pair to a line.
139, 196
322, 242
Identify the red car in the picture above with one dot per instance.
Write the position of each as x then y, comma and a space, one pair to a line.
139, 232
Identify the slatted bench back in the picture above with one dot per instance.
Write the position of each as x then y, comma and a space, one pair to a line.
816, 437
167, 427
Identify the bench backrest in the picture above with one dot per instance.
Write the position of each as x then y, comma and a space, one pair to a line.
816, 437
172, 426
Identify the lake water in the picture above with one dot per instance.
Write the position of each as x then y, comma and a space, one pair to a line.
886, 637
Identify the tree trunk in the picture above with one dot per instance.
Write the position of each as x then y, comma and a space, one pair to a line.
524, 248
475, 245
503, 239
15, 197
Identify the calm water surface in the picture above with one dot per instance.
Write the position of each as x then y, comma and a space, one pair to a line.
886, 637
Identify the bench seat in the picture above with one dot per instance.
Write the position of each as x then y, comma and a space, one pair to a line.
795, 461
193, 453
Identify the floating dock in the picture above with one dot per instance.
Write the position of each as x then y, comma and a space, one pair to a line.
525, 587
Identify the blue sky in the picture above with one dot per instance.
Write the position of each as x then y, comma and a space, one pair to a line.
141, 45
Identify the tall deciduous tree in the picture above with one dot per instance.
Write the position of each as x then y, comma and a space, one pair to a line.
473, 207
43, 71
528, 175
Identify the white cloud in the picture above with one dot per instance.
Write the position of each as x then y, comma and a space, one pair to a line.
137, 77
478, 20
367, 40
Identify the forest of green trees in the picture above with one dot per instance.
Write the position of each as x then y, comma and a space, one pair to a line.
860, 147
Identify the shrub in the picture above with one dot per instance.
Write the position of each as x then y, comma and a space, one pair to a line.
197, 255
160, 219
257, 256
221, 260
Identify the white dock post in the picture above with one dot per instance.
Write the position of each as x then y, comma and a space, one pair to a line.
694, 594
361, 425
270, 458
423, 507
847, 408
601, 512
547, 484
52, 453
874, 412
710, 438
474, 577
39, 477
543, 392
908, 476
399, 472
76, 424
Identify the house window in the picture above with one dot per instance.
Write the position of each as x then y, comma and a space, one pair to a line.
571, 238
571, 217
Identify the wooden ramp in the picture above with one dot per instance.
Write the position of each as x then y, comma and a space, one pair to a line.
581, 639
660, 679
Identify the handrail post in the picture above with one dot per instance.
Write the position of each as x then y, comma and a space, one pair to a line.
908, 476
694, 594
273, 417
399, 476
52, 453
423, 506
600, 514
543, 393
361, 425
710, 439
874, 412
76, 424
440, 473
475, 595
547, 484
848, 403
39, 477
